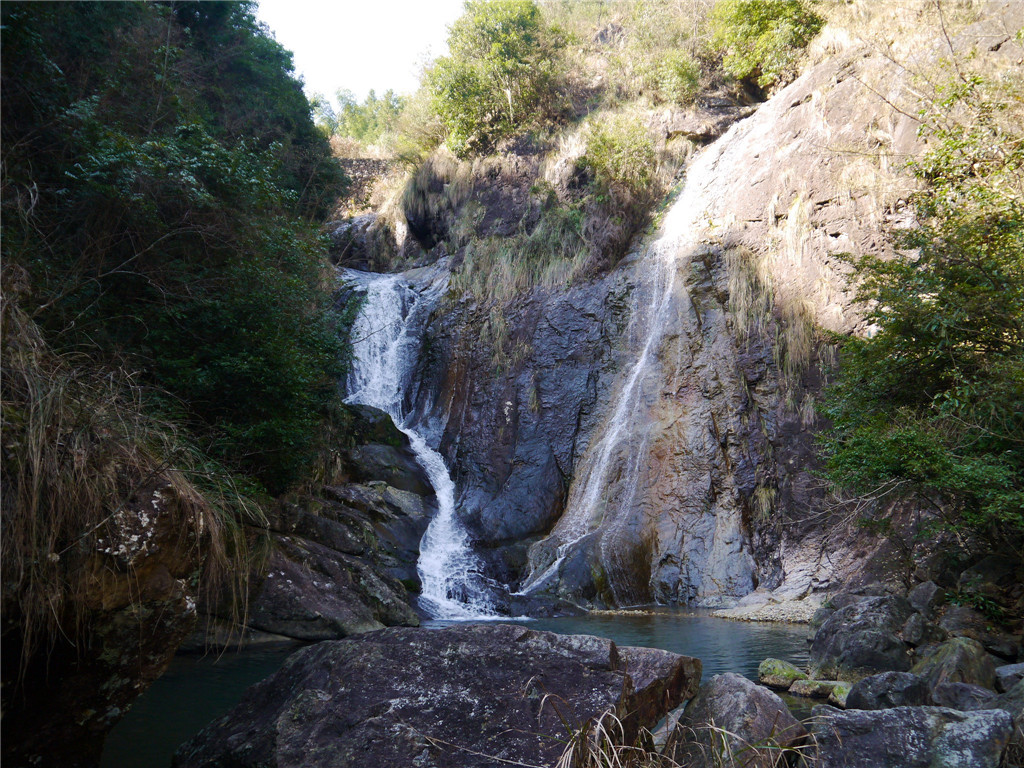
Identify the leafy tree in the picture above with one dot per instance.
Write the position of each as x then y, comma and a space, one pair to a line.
932, 405
762, 38
159, 172
499, 76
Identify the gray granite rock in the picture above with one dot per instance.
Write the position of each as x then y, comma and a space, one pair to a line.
469, 695
909, 737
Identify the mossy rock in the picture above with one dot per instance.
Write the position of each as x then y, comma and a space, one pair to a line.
960, 660
776, 673
839, 693
817, 689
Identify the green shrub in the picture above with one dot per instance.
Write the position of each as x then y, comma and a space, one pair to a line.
620, 155
678, 77
160, 173
499, 76
762, 39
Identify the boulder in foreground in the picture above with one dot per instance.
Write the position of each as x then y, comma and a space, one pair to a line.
466, 695
909, 737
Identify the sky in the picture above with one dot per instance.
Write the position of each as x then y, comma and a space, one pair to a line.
360, 44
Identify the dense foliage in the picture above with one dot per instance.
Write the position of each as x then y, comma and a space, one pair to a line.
762, 39
931, 406
365, 122
499, 76
161, 177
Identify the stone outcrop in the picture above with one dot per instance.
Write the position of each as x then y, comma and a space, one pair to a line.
341, 562
139, 592
862, 638
462, 696
732, 716
909, 737
888, 690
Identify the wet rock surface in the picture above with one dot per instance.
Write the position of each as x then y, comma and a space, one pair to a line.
462, 696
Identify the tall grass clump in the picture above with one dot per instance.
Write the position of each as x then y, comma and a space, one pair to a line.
82, 465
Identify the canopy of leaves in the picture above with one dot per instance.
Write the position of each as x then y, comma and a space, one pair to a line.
932, 405
160, 177
762, 39
366, 122
499, 76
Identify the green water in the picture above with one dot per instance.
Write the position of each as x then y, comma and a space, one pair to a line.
196, 690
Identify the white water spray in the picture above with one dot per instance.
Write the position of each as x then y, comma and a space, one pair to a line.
604, 491
386, 345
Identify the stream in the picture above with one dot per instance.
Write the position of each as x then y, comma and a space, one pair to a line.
197, 689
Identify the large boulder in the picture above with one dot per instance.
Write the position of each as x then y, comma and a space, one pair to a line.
479, 695
909, 737
960, 660
862, 638
888, 690
732, 716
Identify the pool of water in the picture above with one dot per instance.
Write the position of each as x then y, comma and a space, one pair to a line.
196, 690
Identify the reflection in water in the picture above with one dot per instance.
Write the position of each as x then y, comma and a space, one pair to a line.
196, 690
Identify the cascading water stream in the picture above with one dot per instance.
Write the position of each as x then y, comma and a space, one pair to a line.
386, 345
605, 488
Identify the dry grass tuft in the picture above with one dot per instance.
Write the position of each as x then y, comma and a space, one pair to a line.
78, 449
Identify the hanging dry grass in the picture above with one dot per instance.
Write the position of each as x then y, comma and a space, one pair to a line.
78, 452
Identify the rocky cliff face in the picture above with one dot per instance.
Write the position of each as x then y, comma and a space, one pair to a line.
604, 462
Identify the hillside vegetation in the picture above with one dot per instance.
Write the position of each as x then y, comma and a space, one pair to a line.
541, 146
168, 312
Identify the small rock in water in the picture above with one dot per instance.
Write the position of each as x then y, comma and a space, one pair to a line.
819, 689
776, 673
839, 694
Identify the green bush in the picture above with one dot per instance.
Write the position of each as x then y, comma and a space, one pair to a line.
678, 77
931, 407
160, 173
499, 76
762, 39
620, 155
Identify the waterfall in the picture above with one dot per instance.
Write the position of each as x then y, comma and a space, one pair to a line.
604, 493
386, 345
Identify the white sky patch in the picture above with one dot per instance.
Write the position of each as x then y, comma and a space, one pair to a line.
360, 44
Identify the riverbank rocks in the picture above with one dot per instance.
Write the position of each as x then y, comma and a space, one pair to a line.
963, 696
862, 638
815, 689
1008, 676
470, 695
732, 716
776, 673
960, 660
888, 690
909, 737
